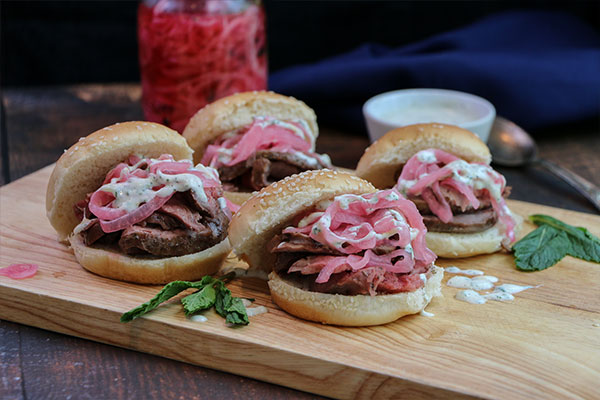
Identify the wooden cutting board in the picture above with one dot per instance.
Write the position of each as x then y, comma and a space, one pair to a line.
545, 343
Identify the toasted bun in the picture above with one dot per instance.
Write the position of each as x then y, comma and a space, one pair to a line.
116, 265
83, 167
270, 210
238, 110
459, 245
359, 310
382, 160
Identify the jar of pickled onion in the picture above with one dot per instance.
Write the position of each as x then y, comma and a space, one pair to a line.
193, 52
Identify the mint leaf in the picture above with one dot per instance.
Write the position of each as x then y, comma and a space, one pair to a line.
211, 292
201, 300
229, 307
553, 240
170, 290
541, 249
584, 245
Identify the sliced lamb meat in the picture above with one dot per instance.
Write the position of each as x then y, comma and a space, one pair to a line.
463, 223
290, 158
165, 221
281, 169
259, 177
200, 225
183, 225
178, 210
227, 174
366, 281
265, 167
423, 207
177, 242
93, 233
297, 242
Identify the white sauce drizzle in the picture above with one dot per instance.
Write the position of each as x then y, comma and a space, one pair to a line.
477, 283
426, 313
252, 311
502, 292
427, 156
476, 176
129, 195
455, 270
512, 289
470, 296
246, 302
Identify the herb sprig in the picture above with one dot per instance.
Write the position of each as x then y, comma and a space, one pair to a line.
211, 292
553, 240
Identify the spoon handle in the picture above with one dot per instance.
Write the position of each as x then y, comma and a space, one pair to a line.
583, 186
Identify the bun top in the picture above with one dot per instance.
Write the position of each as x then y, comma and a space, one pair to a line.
83, 167
382, 160
238, 110
266, 213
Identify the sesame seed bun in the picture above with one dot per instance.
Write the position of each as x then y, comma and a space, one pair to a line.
238, 110
383, 159
265, 215
83, 168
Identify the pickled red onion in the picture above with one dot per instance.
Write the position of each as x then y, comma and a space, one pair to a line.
189, 59
355, 224
19, 271
137, 215
261, 134
113, 218
425, 177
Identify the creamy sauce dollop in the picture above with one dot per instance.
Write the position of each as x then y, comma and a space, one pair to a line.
480, 282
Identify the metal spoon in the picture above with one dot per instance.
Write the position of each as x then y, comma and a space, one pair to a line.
511, 146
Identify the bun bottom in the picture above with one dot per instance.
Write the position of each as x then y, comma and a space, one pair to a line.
459, 245
359, 310
114, 265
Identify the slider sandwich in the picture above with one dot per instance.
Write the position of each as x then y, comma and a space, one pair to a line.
133, 206
338, 251
445, 171
254, 139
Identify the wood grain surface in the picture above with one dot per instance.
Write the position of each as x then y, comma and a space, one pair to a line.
544, 343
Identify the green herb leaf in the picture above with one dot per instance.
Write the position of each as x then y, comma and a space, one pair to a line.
211, 292
201, 300
553, 240
170, 290
229, 307
541, 249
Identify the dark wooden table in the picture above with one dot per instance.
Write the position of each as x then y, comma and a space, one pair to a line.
37, 124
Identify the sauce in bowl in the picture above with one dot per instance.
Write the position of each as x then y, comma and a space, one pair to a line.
391, 110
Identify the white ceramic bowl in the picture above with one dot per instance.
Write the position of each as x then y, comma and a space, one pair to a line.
390, 110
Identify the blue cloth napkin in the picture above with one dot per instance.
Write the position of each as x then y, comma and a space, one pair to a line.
537, 68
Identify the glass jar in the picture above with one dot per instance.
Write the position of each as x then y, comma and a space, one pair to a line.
193, 52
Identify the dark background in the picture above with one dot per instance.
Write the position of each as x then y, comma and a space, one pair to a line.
66, 42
